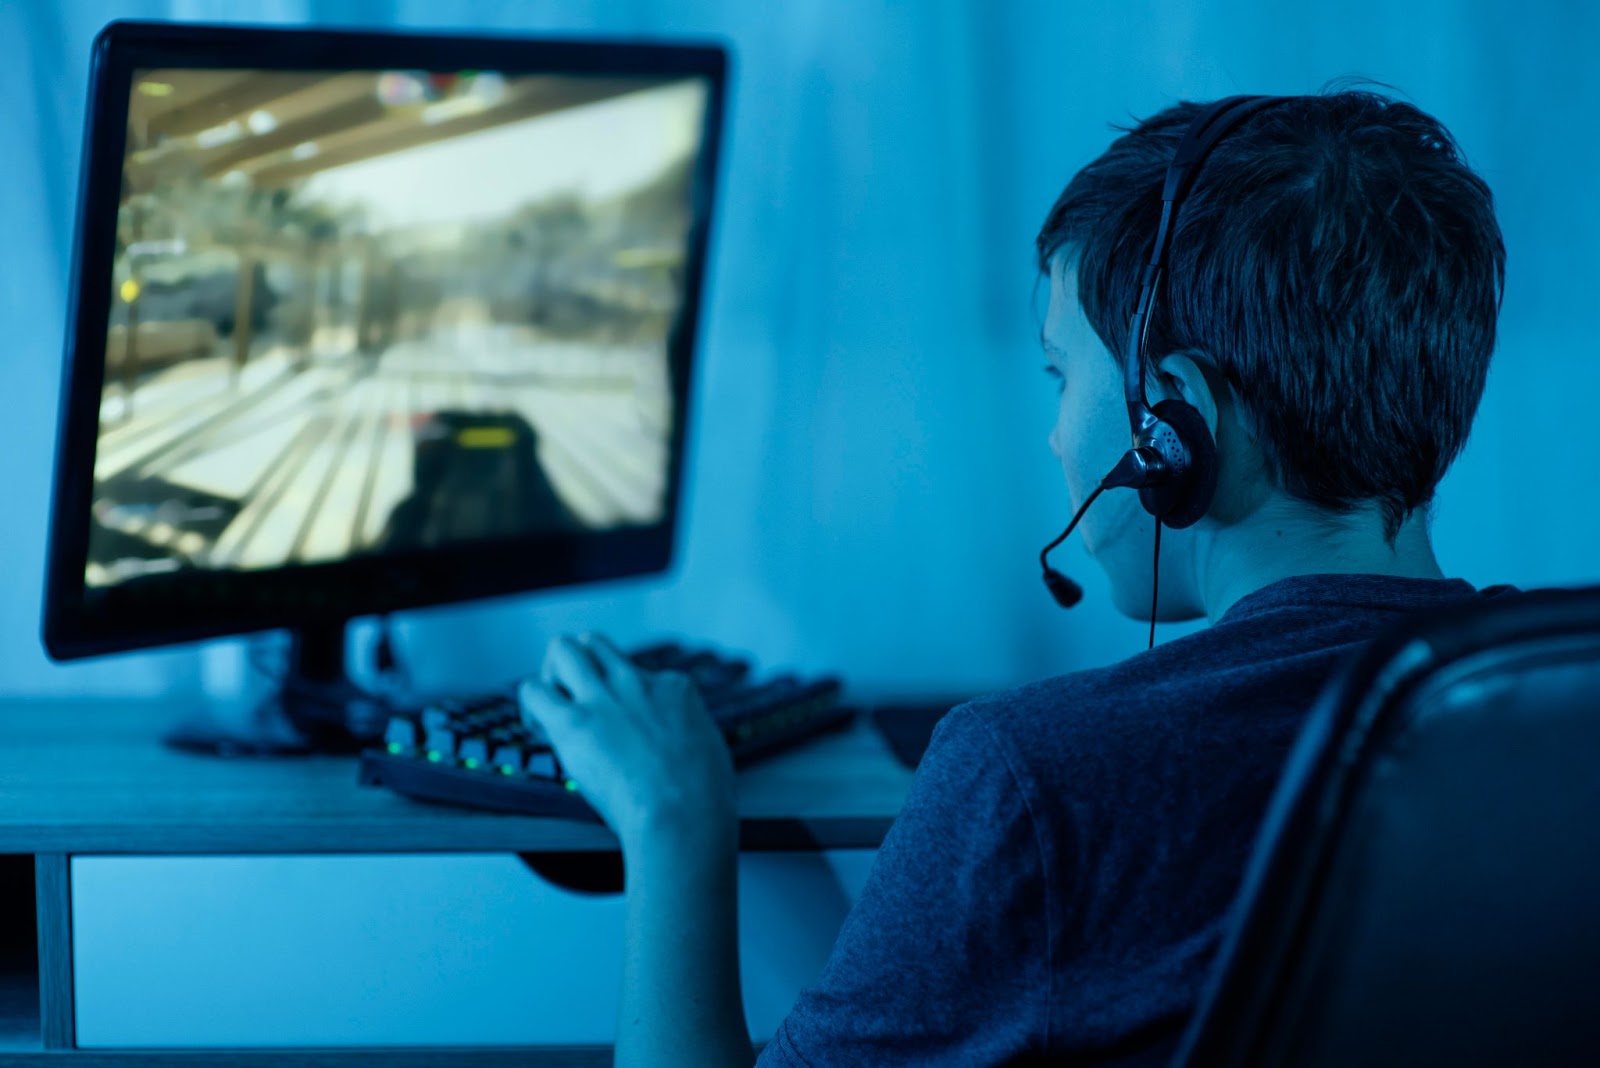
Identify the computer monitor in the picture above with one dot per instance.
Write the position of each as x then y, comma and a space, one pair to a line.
363, 322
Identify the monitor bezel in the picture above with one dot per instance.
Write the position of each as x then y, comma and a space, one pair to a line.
211, 604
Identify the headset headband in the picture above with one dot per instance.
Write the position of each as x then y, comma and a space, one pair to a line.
1208, 127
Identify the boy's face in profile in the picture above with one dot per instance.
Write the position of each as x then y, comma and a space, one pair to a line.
1090, 435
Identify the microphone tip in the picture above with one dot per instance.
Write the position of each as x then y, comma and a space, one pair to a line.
1066, 592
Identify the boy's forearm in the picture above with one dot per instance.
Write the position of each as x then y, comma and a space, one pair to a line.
681, 1001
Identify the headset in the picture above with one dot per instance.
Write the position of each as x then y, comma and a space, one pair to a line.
1173, 461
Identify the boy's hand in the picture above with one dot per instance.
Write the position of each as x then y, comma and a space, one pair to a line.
641, 747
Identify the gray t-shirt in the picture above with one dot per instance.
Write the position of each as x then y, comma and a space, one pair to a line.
1056, 886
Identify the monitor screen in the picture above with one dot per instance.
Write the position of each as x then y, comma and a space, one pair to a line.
356, 337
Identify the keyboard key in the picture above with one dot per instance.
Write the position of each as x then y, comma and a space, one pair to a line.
440, 744
509, 758
400, 736
541, 764
473, 753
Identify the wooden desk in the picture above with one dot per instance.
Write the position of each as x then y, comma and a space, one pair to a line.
92, 778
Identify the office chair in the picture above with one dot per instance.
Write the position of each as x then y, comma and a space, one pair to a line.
1426, 886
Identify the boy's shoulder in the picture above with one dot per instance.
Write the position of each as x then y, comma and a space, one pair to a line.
1154, 691
1209, 699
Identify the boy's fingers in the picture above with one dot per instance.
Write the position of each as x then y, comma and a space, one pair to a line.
620, 674
543, 709
569, 668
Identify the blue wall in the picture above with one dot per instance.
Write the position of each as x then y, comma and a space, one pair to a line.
870, 482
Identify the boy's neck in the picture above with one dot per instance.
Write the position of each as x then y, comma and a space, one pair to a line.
1284, 539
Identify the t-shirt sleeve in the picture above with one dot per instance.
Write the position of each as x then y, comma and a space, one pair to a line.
943, 960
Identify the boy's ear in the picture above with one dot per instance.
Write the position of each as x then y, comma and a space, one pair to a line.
1182, 376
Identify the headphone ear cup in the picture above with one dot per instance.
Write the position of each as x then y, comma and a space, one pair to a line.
1183, 501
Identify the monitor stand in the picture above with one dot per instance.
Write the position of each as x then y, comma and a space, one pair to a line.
316, 708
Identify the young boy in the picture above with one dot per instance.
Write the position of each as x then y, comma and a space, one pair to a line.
1056, 886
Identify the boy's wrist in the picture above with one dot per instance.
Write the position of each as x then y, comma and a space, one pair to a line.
676, 834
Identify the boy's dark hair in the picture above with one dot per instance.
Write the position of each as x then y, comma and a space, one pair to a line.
1339, 264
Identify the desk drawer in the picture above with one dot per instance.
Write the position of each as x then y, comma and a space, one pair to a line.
457, 949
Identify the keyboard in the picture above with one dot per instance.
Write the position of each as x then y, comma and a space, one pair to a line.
477, 752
